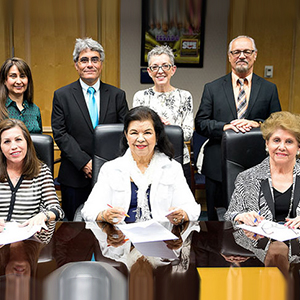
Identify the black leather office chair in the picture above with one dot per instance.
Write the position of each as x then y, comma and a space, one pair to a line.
87, 280
107, 139
240, 151
44, 148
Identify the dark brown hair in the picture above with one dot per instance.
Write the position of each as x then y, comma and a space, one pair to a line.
31, 164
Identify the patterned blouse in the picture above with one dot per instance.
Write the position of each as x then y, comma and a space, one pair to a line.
30, 115
175, 106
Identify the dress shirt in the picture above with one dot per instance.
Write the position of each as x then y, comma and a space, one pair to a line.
236, 86
96, 86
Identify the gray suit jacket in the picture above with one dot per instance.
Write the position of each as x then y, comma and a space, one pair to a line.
218, 108
73, 130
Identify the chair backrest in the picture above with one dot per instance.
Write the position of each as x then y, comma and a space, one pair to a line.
44, 148
87, 280
107, 140
240, 151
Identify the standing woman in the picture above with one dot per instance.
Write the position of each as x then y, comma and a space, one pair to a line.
16, 94
173, 105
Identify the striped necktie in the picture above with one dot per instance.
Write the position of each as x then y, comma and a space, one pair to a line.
241, 100
93, 106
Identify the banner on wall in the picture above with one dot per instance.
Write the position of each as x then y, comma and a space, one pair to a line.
178, 24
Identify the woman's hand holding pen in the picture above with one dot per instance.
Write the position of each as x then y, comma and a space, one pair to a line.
113, 215
251, 218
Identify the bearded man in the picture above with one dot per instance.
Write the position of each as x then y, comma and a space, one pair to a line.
239, 101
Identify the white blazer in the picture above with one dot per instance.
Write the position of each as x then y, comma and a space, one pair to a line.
168, 189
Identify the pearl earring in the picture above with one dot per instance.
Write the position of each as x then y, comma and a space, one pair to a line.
298, 152
267, 149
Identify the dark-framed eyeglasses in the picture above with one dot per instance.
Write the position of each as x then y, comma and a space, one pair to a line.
164, 67
85, 60
237, 53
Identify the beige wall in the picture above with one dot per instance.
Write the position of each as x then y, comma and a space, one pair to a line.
276, 29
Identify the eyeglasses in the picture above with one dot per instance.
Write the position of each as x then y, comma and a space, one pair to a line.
85, 60
237, 53
164, 67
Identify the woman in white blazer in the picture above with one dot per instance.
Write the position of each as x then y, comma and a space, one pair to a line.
145, 182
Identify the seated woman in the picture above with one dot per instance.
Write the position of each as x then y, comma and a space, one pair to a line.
271, 190
145, 182
27, 192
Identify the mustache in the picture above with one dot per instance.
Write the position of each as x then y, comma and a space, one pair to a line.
242, 60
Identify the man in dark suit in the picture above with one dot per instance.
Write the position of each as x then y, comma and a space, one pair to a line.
239, 101
77, 109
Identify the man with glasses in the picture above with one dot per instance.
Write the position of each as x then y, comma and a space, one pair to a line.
239, 101
77, 109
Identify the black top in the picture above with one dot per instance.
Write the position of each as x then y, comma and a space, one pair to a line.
282, 204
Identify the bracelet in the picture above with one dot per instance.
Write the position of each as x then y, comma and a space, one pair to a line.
102, 216
46, 213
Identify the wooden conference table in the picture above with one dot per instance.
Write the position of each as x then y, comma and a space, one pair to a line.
215, 261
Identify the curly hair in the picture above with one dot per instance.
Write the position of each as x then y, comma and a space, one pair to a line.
281, 120
159, 50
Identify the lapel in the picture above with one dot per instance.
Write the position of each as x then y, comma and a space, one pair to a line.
228, 90
265, 187
80, 100
296, 195
255, 87
104, 100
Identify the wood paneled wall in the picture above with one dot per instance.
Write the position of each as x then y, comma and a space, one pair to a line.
275, 26
44, 32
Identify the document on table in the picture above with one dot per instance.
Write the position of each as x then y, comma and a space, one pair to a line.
148, 231
13, 233
273, 230
148, 237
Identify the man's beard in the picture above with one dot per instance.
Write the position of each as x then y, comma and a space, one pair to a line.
241, 69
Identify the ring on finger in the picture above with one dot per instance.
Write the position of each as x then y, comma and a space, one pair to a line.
175, 219
115, 220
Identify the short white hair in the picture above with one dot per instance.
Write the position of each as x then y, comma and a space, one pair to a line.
244, 37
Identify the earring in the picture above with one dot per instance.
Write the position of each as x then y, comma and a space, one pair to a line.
298, 152
267, 149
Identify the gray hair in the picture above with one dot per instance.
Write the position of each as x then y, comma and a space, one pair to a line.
159, 50
240, 37
87, 43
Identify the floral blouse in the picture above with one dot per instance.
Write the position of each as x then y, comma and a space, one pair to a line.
175, 106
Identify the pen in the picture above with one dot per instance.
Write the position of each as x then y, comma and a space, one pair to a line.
255, 220
124, 212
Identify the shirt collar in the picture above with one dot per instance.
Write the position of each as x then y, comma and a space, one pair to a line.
85, 87
10, 102
235, 79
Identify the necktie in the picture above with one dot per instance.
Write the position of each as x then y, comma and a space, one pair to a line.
93, 106
241, 100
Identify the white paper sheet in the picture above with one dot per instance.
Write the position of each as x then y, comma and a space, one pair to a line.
13, 233
148, 237
148, 231
273, 230
156, 249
